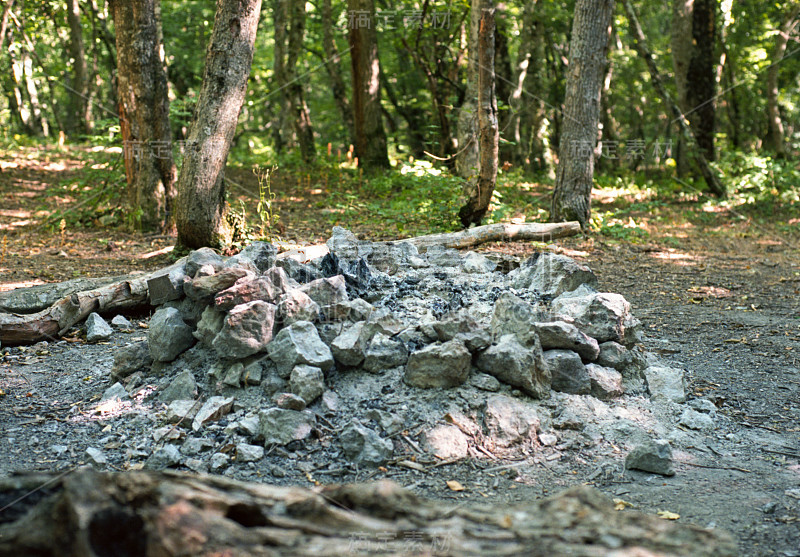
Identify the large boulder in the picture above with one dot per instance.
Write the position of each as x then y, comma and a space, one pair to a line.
438, 365
551, 274
363, 445
247, 329
295, 305
328, 293
299, 343
508, 421
246, 290
569, 375
603, 316
566, 336
514, 316
384, 353
277, 426
517, 365
167, 335
348, 347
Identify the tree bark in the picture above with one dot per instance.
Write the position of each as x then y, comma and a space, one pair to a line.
479, 191
4, 22
370, 147
681, 46
301, 117
333, 68
200, 211
776, 133
701, 80
587, 59
280, 23
467, 125
144, 114
640, 45
175, 514
80, 118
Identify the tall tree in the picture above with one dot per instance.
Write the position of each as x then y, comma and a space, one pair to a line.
301, 117
200, 208
467, 126
144, 112
776, 134
587, 60
332, 61
370, 147
681, 47
80, 116
478, 190
701, 75
640, 44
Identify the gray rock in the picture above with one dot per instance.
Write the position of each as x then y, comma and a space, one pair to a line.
696, 420
295, 305
214, 408
297, 271
249, 453
665, 383
613, 354
568, 373
329, 331
703, 405
517, 365
566, 336
606, 382
249, 425
390, 422
97, 329
96, 456
280, 427
362, 445
509, 421
168, 336
120, 322
115, 391
218, 462
348, 348
247, 329
183, 387
330, 403
167, 456
261, 255
195, 445
233, 376
307, 382
290, 401
205, 288
248, 289
476, 263
485, 382
209, 326
130, 359
167, 284
462, 326
440, 256
438, 365
299, 343
384, 353
182, 411
514, 316
202, 257
653, 456
446, 442
548, 439
568, 418
329, 294
356, 310
602, 316
551, 274
252, 373
382, 321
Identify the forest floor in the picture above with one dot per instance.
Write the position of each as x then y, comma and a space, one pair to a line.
718, 292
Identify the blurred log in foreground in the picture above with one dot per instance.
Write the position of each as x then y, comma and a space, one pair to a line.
88, 513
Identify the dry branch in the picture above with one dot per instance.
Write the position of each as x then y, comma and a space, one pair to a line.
497, 233
174, 514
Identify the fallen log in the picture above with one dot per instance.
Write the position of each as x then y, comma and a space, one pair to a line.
497, 233
90, 513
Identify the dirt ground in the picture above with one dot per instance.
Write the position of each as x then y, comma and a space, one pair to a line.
723, 305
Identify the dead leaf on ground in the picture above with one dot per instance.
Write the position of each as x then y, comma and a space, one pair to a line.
455, 486
667, 515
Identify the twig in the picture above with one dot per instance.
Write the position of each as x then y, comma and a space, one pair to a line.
719, 467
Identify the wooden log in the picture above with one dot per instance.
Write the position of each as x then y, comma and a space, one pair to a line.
87, 512
500, 232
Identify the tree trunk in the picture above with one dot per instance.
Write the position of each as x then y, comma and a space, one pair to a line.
701, 81
467, 126
681, 46
144, 114
587, 59
280, 22
4, 22
80, 119
776, 134
200, 210
333, 67
479, 191
640, 44
301, 117
86, 512
370, 146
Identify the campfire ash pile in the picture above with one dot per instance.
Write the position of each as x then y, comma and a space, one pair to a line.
352, 349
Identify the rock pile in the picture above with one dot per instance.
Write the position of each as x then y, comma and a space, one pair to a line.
267, 350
